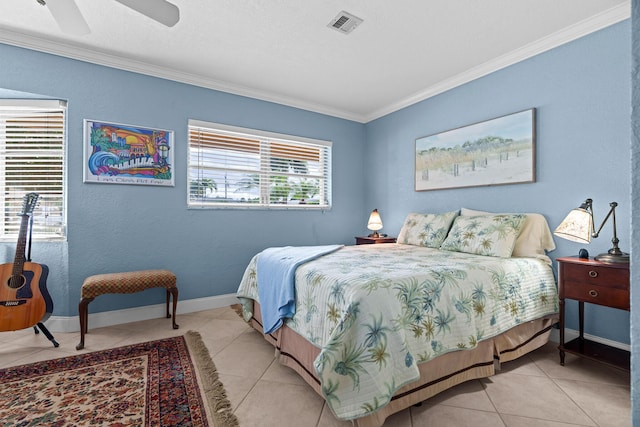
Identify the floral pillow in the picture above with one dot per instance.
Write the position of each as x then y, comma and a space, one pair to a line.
491, 235
426, 229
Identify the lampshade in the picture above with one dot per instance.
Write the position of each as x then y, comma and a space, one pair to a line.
375, 222
577, 226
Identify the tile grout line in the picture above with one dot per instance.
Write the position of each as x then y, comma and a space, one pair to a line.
553, 380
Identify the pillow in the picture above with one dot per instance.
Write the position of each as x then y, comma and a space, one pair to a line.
426, 229
535, 237
491, 235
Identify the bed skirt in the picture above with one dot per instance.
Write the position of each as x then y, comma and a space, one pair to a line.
437, 375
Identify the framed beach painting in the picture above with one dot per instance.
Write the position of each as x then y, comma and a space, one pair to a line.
126, 154
494, 152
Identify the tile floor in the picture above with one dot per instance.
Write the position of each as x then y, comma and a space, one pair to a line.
532, 391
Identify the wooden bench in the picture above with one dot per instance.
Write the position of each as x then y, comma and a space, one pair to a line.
124, 283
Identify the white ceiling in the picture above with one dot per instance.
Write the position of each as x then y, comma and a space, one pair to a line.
283, 51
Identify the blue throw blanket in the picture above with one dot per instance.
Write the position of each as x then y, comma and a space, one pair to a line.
276, 270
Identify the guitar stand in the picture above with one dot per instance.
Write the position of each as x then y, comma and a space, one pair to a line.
40, 325
46, 333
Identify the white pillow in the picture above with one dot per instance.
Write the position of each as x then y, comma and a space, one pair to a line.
535, 237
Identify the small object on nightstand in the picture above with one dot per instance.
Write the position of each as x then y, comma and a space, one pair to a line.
372, 240
583, 254
595, 282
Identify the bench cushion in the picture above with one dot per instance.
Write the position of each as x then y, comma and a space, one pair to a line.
126, 283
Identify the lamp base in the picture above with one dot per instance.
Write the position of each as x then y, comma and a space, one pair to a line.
619, 258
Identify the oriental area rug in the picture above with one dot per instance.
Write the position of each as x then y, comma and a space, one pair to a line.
168, 382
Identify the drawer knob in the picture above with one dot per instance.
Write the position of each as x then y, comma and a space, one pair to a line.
593, 293
593, 273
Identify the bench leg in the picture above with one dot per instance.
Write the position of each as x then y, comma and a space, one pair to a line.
83, 313
174, 292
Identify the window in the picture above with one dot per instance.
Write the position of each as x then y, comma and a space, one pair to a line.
32, 148
236, 167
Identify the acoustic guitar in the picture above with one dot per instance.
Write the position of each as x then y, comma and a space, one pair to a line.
24, 298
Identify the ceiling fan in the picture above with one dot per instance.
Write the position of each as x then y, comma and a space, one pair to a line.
70, 19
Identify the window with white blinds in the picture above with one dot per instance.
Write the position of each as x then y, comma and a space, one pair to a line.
237, 167
32, 157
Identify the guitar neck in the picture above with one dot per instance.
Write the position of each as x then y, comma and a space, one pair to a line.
18, 262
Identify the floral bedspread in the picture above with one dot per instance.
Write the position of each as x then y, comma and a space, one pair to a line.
376, 311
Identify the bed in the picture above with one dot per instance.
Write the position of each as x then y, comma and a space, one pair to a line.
375, 329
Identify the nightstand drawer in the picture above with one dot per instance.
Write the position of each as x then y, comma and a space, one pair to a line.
596, 275
595, 294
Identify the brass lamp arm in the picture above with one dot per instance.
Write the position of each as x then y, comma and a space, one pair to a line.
614, 254
612, 211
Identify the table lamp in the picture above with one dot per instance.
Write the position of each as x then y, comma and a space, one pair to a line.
375, 223
578, 227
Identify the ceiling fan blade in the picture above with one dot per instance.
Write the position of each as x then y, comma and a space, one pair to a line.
159, 10
68, 17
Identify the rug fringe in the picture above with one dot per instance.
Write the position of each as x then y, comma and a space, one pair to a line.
221, 409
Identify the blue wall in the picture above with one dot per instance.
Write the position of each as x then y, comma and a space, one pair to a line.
581, 91
123, 227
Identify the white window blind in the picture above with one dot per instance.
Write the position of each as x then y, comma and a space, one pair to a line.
32, 156
237, 167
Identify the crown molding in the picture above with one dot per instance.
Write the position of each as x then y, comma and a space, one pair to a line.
595, 23
79, 53
566, 35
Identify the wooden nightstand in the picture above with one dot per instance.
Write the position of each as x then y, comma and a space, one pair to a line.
606, 284
370, 240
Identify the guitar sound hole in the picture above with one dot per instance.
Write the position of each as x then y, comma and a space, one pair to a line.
16, 282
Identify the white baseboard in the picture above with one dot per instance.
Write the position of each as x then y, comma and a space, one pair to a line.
117, 317
570, 334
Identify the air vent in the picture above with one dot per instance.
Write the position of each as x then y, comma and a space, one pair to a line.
345, 22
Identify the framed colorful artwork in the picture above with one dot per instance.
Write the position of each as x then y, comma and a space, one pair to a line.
494, 152
126, 154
